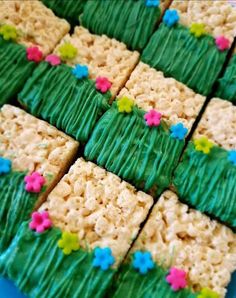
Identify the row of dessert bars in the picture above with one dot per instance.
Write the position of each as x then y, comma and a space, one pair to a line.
147, 207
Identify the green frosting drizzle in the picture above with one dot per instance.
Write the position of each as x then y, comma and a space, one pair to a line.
129, 21
14, 69
207, 182
227, 84
67, 9
40, 269
195, 62
72, 105
130, 283
126, 146
16, 206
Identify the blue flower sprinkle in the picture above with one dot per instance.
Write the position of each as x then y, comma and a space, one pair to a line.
143, 261
80, 71
171, 17
178, 131
103, 258
152, 3
232, 157
5, 165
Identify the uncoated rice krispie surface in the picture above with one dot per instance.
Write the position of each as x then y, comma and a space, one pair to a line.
150, 89
36, 24
185, 238
218, 124
219, 17
104, 56
99, 207
34, 145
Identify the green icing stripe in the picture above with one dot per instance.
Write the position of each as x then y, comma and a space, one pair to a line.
16, 206
129, 21
41, 270
130, 283
126, 146
227, 84
14, 69
72, 105
195, 62
207, 182
67, 9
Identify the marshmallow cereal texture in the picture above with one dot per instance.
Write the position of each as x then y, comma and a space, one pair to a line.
219, 17
34, 145
218, 124
102, 209
178, 236
150, 89
35, 23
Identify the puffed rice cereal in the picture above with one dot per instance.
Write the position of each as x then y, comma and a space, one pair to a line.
97, 205
187, 239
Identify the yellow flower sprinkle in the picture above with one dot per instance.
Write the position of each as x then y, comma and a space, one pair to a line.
68, 243
8, 32
197, 29
203, 144
125, 104
67, 51
207, 293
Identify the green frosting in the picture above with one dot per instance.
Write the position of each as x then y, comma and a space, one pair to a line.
129, 21
16, 206
227, 84
126, 146
57, 96
130, 283
68, 9
207, 182
14, 69
193, 61
40, 269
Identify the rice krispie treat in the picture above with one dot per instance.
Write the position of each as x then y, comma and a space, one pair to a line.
150, 89
226, 88
69, 10
137, 145
199, 253
206, 176
73, 95
94, 216
192, 42
129, 21
36, 25
33, 157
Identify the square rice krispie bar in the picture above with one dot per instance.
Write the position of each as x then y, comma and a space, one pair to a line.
29, 148
95, 217
129, 21
36, 24
206, 176
176, 236
192, 42
73, 99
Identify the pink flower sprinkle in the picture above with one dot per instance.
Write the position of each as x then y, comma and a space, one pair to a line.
103, 84
34, 54
177, 279
53, 59
222, 43
40, 221
34, 182
153, 118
